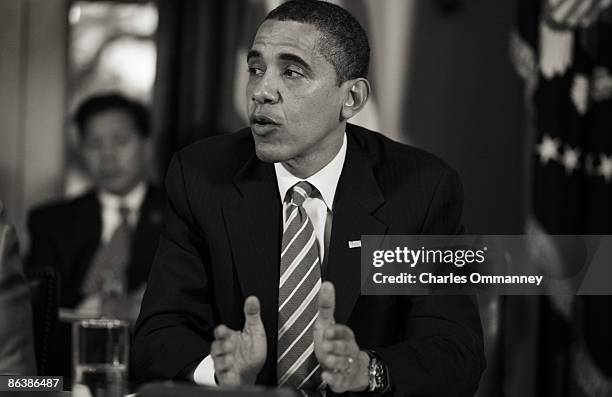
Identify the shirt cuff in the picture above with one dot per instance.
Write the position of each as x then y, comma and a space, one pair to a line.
204, 373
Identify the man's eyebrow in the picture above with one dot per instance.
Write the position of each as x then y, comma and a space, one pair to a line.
295, 59
253, 54
284, 56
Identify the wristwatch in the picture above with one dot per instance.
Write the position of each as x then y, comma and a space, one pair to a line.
378, 378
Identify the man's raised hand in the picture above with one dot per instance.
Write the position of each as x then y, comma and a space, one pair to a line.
238, 356
344, 365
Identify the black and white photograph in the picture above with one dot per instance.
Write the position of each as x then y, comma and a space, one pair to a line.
306, 198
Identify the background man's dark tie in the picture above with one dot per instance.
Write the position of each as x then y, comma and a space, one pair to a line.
107, 271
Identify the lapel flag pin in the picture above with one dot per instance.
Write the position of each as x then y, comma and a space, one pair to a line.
354, 244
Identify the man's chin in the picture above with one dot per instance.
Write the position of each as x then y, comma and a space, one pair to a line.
119, 188
268, 154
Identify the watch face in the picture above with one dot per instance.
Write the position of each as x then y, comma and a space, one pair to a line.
377, 376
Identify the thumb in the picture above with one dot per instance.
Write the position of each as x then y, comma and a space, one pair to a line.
252, 316
327, 304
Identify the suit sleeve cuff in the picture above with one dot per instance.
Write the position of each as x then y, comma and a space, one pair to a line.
204, 373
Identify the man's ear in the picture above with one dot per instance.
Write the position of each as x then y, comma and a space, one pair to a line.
357, 94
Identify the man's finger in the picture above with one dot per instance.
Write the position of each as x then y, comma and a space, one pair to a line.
221, 347
338, 347
252, 315
335, 381
339, 332
222, 332
231, 378
215, 349
334, 362
328, 378
221, 364
227, 345
327, 304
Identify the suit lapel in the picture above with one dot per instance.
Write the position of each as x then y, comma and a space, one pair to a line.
253, 223
148, 228
151, 211
357, 198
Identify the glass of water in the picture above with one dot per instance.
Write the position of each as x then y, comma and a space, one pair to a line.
100, 351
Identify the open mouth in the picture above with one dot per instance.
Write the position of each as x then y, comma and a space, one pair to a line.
109, 175
262, 120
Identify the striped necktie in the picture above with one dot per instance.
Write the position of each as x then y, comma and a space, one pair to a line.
299, 284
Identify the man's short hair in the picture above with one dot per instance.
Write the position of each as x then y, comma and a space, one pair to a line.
343, 41
102, 103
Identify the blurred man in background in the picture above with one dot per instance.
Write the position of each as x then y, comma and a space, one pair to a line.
101, 241
16, 340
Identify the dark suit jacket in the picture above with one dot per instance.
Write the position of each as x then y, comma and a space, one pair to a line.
222, 244
66, 235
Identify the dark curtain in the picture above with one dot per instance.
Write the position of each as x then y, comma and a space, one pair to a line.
197, 42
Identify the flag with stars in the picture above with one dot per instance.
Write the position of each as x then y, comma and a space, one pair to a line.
562, 49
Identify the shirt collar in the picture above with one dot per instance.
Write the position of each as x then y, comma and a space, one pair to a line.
133, 200
325, 180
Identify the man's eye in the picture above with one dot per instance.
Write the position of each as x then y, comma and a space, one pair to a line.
292, 73
255, 71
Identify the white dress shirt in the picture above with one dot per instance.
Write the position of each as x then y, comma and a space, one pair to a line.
319, 208
111, 217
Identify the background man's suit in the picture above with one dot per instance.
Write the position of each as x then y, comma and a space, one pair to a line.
66, 236
222, 244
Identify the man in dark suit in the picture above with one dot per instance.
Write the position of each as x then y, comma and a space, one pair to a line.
278, 205
82, 237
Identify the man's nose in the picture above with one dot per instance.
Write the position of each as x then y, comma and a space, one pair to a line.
108, 153
266, 90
